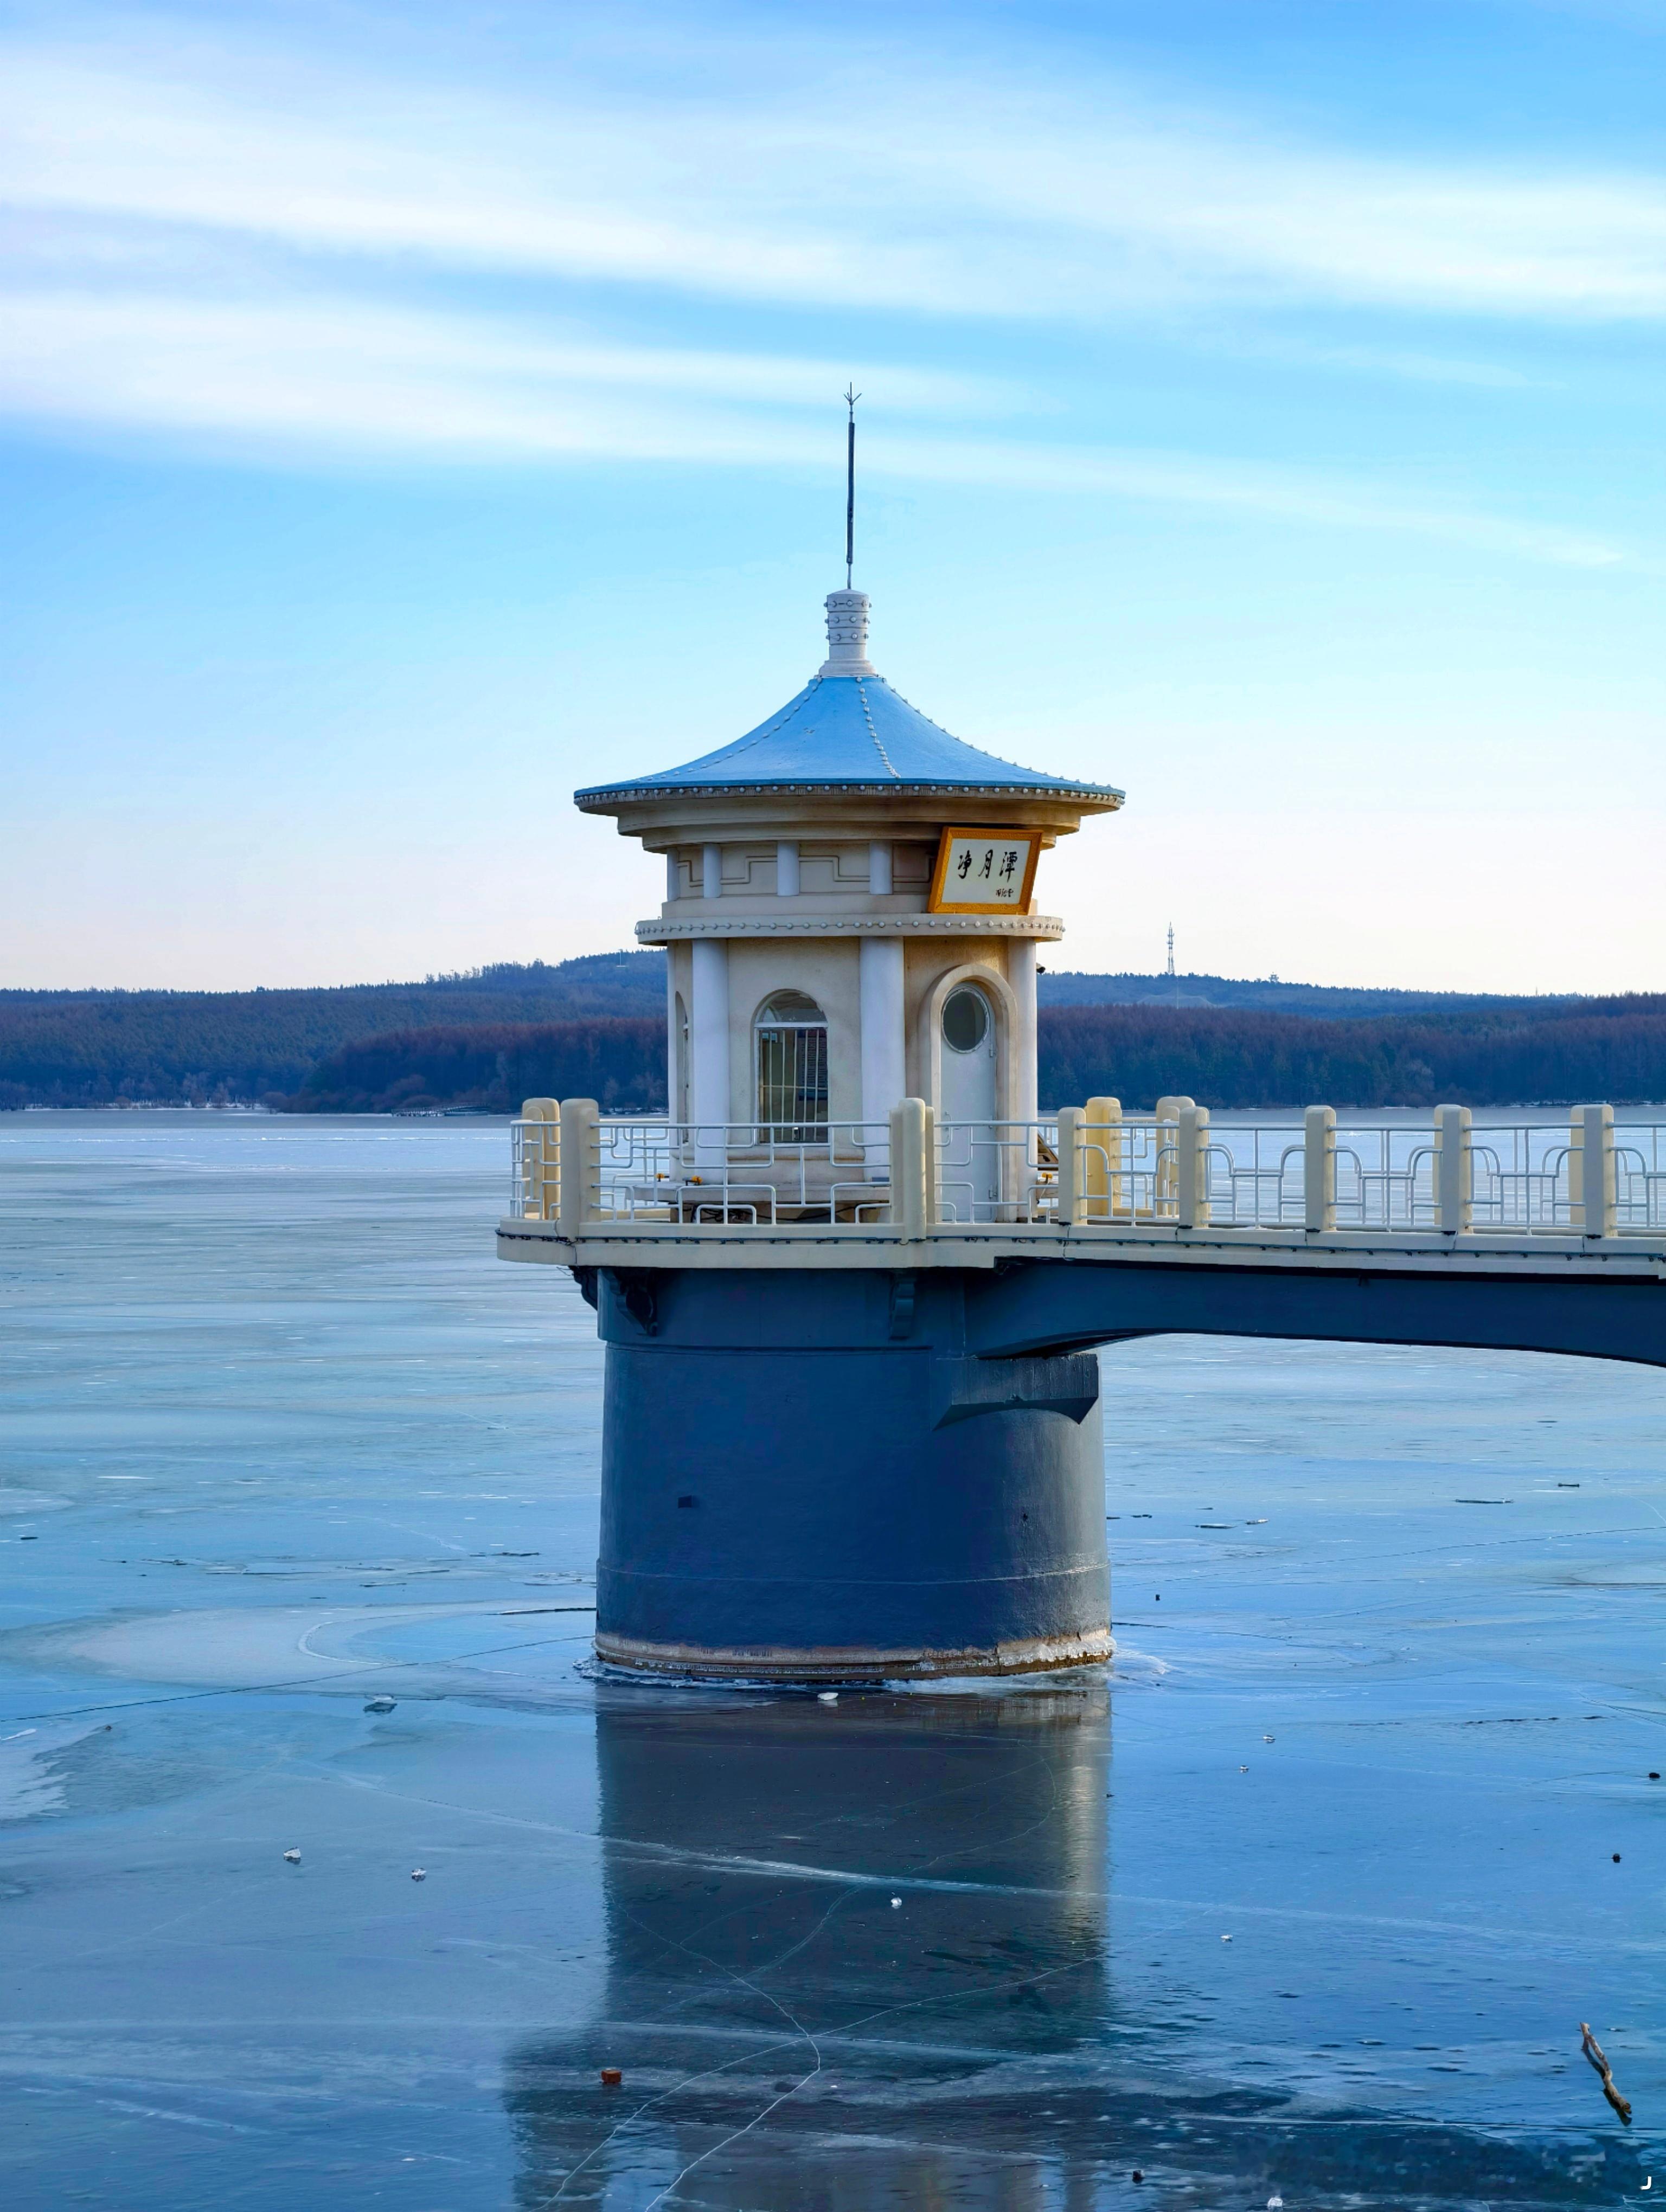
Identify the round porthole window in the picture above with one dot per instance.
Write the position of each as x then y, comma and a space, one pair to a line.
965, 1019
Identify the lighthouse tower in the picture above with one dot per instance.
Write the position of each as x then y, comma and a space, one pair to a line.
807, 1475
849, 910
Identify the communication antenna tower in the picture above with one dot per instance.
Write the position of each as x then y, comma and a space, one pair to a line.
1173, 978
851, 396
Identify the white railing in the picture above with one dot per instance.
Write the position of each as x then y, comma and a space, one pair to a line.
1639, 1158
1089, 1165
995, 1170
646, 1170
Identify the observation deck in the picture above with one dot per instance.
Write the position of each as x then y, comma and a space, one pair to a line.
1089, 1184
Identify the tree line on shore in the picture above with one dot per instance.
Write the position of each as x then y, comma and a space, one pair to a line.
594, 1027
1589, 1048
1598, 1050
223, 1047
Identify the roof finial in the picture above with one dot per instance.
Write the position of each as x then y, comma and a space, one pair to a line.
847, 610
851, 396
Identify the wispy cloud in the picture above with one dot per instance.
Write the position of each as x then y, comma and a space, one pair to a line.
329, 376
1401, 364
852, 176
219, 239
1291, 495
341, 371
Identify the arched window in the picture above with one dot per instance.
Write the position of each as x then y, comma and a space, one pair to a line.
791, 1031
968, 1093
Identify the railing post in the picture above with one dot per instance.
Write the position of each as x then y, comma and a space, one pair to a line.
1166, 1173
1319, 1168
1591, 1181
897, 1211
1192, 1194
1455, 1183
913, 1168
540, 1158
1102, 1157
580, 1165
1072, 1209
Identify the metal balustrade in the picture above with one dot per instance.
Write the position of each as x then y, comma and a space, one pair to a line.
648, 1170
1089, 1166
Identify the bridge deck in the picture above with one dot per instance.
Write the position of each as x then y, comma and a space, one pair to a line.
1037, 1289
607, 1243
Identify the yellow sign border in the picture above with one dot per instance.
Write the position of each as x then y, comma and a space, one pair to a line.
937, 904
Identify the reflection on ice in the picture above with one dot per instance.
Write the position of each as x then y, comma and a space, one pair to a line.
761, 1975
790, 2034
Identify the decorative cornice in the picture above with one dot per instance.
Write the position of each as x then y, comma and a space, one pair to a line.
1045, 926
601, 796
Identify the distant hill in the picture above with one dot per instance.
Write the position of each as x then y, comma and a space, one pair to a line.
1509, 1053
1317, 1001
492, 1065
100, 1047
1613, 1048
595, 1026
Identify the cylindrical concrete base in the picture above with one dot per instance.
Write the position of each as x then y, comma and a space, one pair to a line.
806, 1478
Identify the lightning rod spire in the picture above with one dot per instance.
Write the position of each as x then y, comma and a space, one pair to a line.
851, 396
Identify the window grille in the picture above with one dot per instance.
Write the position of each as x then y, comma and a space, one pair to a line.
791, 1031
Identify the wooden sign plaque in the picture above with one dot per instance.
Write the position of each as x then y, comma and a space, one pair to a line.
984, 871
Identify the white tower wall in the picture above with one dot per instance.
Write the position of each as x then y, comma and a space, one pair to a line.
708, 1030
885, 1037
1021, 976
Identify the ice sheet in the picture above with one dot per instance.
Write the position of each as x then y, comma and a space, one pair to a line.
284, 1437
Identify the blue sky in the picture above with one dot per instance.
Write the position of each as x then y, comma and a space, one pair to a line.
409, 413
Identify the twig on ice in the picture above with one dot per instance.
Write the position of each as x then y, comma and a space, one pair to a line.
1593, 2051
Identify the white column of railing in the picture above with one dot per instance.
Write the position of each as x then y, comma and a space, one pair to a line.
913, 1168
1192, 1176
1319, 1168
1104, 1158
1591, 1181
1071, 1208
540, 1158
1454, 1170
1166, 1167
580, 1165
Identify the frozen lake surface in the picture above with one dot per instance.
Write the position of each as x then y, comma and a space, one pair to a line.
1307, 1901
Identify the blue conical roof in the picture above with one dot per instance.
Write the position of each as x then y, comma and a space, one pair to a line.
846, 733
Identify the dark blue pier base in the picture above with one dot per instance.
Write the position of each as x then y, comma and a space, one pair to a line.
817, 1474
807, 1477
